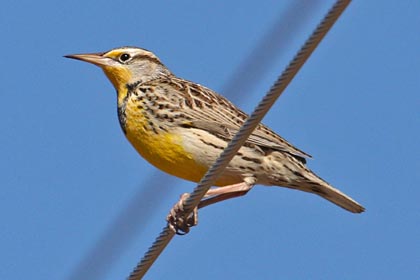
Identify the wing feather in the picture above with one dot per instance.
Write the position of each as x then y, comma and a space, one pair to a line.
205, 109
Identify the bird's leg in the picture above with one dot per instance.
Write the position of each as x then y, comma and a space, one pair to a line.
225, 193
240, 187
181, 224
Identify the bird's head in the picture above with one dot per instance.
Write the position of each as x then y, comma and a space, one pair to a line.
126, 65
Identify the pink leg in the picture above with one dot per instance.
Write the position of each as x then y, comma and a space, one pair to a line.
241, 187
225, 193
181, 224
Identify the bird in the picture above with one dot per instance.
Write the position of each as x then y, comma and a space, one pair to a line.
181, 127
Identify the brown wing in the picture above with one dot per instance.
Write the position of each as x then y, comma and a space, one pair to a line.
207, 110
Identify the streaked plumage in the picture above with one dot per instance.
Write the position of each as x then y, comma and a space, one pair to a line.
181, 127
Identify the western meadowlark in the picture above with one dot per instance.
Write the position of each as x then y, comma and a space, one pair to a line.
182, 127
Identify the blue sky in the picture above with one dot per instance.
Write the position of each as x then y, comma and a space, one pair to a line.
77, 201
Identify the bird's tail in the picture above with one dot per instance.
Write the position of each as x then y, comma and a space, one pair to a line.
325, 190
301, 178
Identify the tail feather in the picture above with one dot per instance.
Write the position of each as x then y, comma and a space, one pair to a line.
330, 193
292, 173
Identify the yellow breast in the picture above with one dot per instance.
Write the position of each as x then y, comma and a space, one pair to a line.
162, 149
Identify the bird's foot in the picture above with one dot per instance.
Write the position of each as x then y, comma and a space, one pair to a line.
177, 219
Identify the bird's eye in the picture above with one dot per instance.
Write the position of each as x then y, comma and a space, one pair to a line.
124, 57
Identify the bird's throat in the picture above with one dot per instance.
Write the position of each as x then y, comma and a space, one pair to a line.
119, 77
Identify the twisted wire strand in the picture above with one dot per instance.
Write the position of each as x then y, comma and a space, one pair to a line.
241, 136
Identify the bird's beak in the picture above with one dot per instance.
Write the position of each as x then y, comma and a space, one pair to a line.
95, 58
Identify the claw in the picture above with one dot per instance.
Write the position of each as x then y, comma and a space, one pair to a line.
177, 220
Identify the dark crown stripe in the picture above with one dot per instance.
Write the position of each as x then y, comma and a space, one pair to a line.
148, 57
